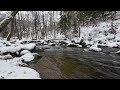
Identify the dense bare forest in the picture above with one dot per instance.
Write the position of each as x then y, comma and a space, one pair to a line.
48, 24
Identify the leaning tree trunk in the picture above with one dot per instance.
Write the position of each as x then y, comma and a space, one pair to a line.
7, 20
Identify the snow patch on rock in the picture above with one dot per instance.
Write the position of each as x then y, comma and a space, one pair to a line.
27, 57
28, 46
94, 48
24, 52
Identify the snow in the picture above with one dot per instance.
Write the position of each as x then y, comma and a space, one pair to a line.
79, 46
118, 52
52, 44
24, 52
8, 71
11, 49
28, 57
94, 48
42, 41
111, 44
4, 57
67, 41
60, 36
28, 46
16, 47
12, 67
35, 54
76, 39
101, 33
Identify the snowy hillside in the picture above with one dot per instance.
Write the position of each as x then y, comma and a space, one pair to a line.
100, 34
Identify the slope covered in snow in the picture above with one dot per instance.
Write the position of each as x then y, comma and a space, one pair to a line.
101, 34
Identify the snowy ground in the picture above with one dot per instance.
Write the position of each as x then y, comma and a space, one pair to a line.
101, 35
12, 67
9, 71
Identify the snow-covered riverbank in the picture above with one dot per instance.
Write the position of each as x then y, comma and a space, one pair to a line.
15, 67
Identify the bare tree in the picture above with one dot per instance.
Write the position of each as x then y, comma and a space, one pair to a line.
23, 25
113, 28
16, 28
11, 32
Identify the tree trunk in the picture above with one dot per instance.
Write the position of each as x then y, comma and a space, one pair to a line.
35, 24
79, 32
23, 27
113, 28
16, 28
43, 30
7, 20
19, 26
28, 30
54, 25
11, 32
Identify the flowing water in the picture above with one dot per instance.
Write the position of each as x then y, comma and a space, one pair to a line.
76, 63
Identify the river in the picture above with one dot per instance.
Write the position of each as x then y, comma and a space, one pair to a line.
77, 63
